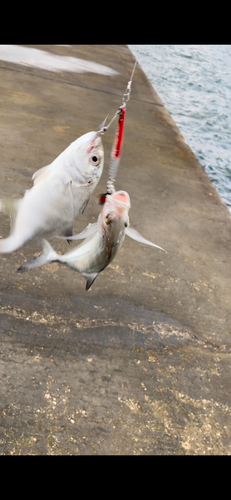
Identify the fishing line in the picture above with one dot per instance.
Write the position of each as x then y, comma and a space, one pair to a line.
118, 141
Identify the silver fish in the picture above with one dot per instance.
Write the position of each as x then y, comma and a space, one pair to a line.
103, 240
60, 191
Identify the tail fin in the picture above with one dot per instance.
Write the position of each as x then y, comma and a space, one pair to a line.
48, 255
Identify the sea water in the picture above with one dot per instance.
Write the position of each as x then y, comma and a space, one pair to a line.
194, 83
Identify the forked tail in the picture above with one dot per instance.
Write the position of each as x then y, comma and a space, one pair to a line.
48, 255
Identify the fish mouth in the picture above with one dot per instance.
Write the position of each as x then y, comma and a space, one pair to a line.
115, 208
119, 199
89, 141
96, 142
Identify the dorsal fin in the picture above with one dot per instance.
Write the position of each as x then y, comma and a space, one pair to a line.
40, 174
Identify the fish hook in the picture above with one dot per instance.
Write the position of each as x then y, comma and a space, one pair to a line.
125, 99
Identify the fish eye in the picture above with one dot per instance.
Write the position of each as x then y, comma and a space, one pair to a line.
95, 159
126, 224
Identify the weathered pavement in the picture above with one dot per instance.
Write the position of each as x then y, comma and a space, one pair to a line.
141, 363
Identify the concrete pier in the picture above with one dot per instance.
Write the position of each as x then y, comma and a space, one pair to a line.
141, 363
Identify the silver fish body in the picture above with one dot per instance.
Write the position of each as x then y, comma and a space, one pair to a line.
60, 191
103, 240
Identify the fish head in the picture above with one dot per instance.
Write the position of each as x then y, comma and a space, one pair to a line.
114, 216
91, 153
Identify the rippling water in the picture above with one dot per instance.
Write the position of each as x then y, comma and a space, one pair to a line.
194, 83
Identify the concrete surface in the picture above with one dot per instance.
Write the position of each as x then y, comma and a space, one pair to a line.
141, 363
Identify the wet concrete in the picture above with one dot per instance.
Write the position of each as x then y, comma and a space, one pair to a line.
141, 363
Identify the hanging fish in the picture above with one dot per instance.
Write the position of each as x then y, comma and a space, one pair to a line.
60, 191
103, 240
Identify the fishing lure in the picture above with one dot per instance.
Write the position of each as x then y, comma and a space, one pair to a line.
118, 141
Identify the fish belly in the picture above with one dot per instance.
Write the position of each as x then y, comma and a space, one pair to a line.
89, 257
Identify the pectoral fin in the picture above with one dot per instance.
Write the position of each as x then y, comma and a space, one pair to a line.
88, 231
132, 233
